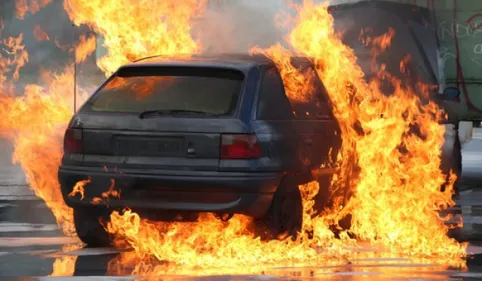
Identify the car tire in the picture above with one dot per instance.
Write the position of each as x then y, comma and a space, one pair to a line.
324, 200
89, 228
285, 216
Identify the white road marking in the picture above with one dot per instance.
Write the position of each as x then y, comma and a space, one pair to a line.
12, 175
7, 205
10, 191
18, 197
36, 241
465, 192
473, 249
38, 253
466, 213
25, 227
88, 252
472, 220
91, 278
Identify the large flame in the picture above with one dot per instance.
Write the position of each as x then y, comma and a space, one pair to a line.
34, 121
136, 29
86, 47
298, 86
397, 141
210, 243
390, 161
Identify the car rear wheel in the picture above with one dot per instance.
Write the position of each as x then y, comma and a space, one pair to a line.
89, 228
285, 216
324, 201
322, 198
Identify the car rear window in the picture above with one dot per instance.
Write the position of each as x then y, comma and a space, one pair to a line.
137, 89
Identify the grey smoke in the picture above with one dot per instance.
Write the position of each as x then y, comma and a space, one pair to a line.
55, 22
236, 26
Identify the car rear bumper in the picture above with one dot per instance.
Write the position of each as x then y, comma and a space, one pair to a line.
193, 191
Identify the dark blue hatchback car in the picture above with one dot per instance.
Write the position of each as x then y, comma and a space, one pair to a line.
206, 134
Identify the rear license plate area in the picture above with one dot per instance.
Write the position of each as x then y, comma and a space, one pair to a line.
148, 146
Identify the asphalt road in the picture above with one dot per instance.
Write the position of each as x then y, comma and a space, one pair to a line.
33, 248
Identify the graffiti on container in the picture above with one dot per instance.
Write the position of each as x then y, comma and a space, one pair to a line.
470, 32
478, 49
475, 22
471, 29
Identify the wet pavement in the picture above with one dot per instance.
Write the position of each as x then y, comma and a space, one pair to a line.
32, 247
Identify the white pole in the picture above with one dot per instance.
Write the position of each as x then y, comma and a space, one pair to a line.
75, 74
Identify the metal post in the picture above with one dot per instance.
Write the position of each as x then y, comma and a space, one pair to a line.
75, 73
75, 85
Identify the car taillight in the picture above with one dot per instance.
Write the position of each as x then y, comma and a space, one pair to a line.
238, 146
73, 141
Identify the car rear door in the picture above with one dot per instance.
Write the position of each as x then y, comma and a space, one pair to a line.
277, 130
321, 136
319, 133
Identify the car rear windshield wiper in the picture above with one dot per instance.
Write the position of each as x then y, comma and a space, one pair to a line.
172, 111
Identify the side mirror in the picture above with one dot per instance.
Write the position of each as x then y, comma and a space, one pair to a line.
450, 94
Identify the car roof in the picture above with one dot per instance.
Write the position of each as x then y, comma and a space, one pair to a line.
231, 61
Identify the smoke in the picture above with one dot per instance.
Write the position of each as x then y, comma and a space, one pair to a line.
236, 26
44, 55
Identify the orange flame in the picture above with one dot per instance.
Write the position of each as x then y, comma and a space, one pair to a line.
378, 44
210, 243
79, 188
22, 7
65, 264
404, 63
16, 57
133, 29
397, 195
39, 34
140, 88
85, 47
35, 123
299, 86
105, 196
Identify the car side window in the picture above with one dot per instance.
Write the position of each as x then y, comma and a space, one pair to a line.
318, 107
273, 103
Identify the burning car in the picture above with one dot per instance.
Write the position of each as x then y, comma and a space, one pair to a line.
206, 134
